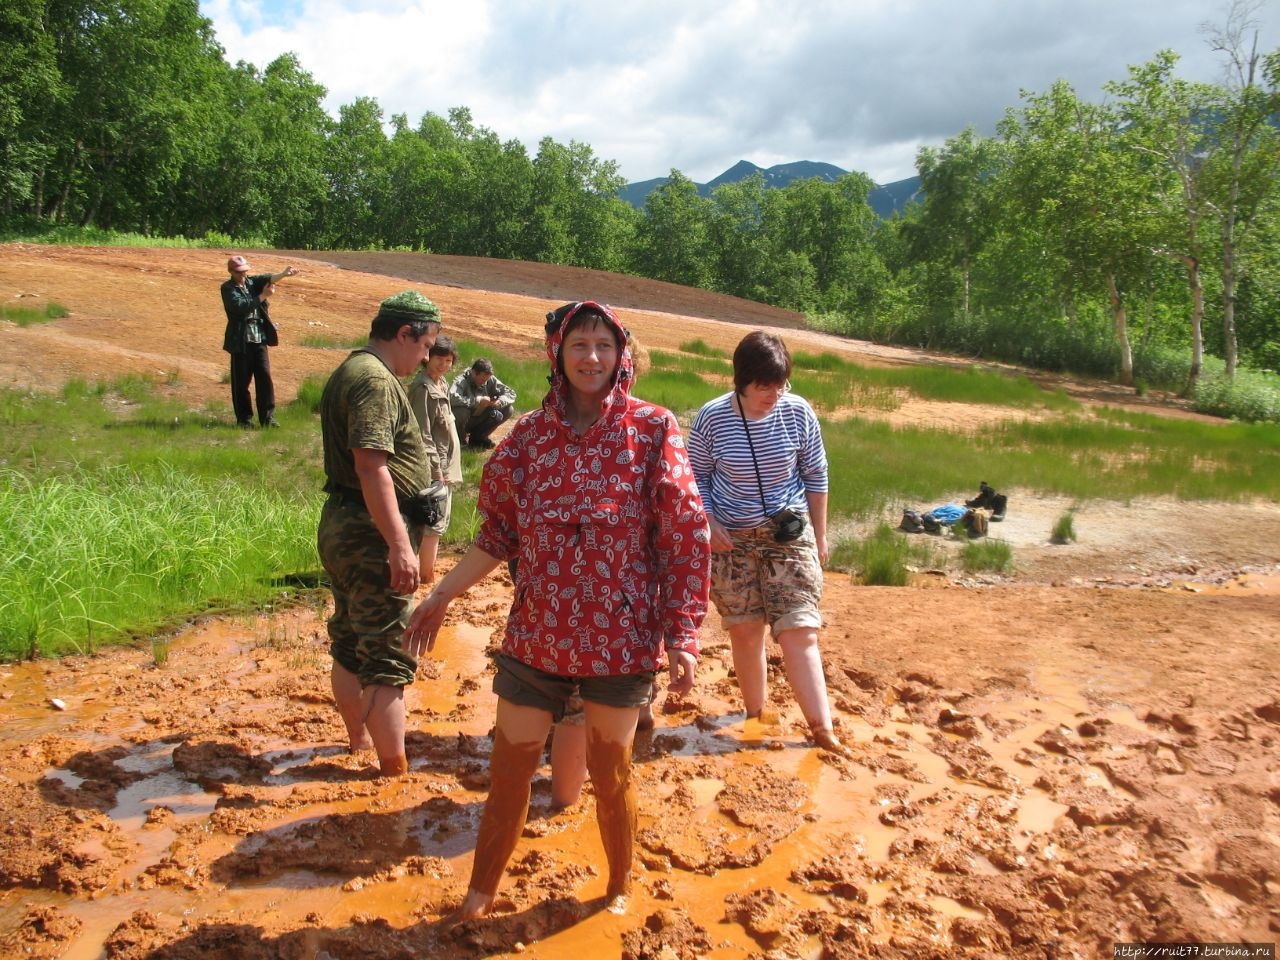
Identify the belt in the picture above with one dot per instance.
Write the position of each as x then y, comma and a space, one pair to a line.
354, 497
348, 496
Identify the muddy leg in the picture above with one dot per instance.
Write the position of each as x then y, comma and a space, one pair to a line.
803, 663
750, 664
346, 694
384, 719
517, 751
568, 763
610, 734
427, 557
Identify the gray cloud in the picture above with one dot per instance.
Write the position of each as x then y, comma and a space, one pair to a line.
698, 86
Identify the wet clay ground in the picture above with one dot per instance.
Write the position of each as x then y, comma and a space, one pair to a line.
1084, 752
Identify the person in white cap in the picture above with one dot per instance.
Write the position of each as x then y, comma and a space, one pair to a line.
248, 335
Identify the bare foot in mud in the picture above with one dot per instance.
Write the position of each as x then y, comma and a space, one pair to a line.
825, 738
474, 906
617, 904
393, 766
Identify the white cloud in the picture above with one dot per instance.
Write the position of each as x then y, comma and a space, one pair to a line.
698, 86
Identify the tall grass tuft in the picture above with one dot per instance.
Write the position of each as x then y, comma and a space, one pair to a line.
1064, 528
883, 559
987, 555
108, 554
28, 316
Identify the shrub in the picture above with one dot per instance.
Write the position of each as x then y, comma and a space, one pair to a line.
1252, 395
1064, 529
988, 554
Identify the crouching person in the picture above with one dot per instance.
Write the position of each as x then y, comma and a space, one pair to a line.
481, 403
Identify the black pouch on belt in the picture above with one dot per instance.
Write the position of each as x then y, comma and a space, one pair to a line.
426, 506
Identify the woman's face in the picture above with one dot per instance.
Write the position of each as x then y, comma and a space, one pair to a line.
759, 399
589, 354
439, 365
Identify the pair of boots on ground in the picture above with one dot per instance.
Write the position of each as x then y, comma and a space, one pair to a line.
988, 499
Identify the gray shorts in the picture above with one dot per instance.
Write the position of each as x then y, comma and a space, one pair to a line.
762, 581
525, 686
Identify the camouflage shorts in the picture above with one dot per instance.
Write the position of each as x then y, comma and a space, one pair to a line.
369, 618
762, 580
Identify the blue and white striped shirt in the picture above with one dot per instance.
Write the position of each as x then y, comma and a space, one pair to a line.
788, 449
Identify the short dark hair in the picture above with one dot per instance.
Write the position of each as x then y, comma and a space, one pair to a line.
584, 317
385, 326
761, 357
443, 347
481, 365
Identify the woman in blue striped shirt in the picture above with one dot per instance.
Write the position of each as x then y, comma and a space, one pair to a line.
760, 464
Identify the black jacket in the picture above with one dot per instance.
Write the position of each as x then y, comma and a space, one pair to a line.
241, 304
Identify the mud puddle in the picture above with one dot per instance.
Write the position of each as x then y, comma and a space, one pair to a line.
243, 827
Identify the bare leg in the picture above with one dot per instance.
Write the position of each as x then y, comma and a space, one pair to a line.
517, 750
346, 694
427, 557
610, 734
749, 663
568, 763
384, 719
645, 721
803, 663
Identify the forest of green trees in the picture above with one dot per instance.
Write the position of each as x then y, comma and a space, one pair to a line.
1135, 238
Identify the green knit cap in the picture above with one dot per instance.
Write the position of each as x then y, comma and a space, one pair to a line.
409, 305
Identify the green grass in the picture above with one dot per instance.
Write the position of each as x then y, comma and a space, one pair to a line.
29, 316
93, 557
1064, 528
884, 557
979, 556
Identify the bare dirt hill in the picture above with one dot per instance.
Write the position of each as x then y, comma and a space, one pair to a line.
1042, 765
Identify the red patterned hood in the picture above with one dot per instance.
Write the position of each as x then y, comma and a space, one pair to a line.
624, 375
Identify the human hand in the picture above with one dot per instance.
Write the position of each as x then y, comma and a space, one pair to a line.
290, 270
683, 667
425, 623
721, 542
404, 570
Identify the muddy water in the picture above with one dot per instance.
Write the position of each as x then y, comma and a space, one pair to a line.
728, 808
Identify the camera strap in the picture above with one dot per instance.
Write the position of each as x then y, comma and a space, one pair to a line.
764, 507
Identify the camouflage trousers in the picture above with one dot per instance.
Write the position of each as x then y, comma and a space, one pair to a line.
761, 580
367, 627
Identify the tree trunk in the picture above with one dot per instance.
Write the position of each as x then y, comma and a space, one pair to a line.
1230, 348
1197, 323
1120, 320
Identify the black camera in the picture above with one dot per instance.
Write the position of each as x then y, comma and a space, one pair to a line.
787, 525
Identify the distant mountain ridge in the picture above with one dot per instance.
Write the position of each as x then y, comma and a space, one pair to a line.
885, 200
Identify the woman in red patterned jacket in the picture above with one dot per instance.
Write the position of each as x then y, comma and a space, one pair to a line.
594, 495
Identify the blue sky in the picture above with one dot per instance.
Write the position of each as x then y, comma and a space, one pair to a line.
697, 86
